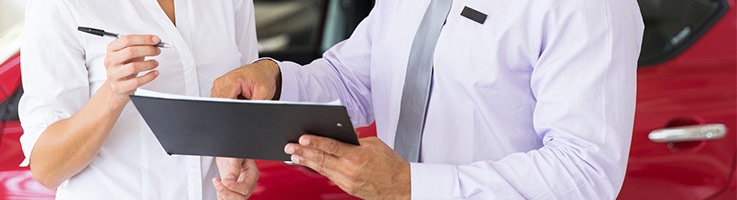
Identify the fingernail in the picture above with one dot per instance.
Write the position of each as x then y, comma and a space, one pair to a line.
156, 72
230, 177
289, 149
156, 39
295, 159
304, 140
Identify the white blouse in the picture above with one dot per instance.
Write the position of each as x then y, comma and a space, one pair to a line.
62, 68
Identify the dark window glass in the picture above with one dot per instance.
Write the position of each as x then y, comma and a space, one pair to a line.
9, 107
342, 18
301, 30
671, 26
289, 29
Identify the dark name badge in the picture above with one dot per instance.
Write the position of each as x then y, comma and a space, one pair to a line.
474, 15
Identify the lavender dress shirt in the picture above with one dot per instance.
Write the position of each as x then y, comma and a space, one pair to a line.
535, 103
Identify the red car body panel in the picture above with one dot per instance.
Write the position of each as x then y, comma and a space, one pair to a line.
282, 181
9, 76
697, 87
15, 182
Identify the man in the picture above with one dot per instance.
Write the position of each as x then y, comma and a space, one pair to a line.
480, 99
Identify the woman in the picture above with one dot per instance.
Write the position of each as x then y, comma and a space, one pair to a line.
82, 134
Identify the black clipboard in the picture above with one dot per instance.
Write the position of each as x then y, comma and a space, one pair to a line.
239, 129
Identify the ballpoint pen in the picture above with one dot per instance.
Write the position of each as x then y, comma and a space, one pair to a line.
102, 33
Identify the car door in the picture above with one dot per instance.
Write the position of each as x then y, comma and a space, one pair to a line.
10, 130
15, 182
686, 102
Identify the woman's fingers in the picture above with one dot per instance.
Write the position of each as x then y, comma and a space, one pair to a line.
239, 178
246, 180
147, 78
131, 69
130, 47
126, 87
118, 58
242, 188
125, 59
133, 40
224, 193
251, 171
229, 168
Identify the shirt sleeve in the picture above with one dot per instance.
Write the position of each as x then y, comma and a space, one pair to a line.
342, 73
245, 28
53, 70
585, 83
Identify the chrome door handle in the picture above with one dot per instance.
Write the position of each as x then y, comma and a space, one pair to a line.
689, 133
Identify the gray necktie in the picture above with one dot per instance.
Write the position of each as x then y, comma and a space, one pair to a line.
417, 82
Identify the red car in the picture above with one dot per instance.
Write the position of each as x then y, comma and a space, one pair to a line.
686, 103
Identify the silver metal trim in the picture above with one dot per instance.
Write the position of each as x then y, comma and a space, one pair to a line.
689, 133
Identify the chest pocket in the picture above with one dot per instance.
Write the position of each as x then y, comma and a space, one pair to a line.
486, 56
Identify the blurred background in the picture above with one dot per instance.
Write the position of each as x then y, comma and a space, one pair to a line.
687, 84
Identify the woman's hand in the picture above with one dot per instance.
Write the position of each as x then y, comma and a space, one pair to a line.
125, 59
257, 81
239, 178
67, 146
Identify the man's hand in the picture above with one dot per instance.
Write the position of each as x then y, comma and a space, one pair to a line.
257, 81
370, 171
239, 178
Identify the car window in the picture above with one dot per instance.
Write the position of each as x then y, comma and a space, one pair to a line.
343, 16
9, 107
288, 29
301, 30
671, 26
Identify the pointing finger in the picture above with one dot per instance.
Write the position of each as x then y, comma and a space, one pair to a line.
224, 88
262, 93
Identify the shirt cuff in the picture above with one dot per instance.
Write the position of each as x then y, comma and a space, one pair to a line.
433, 181
289, 87
32, 132
27, 141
